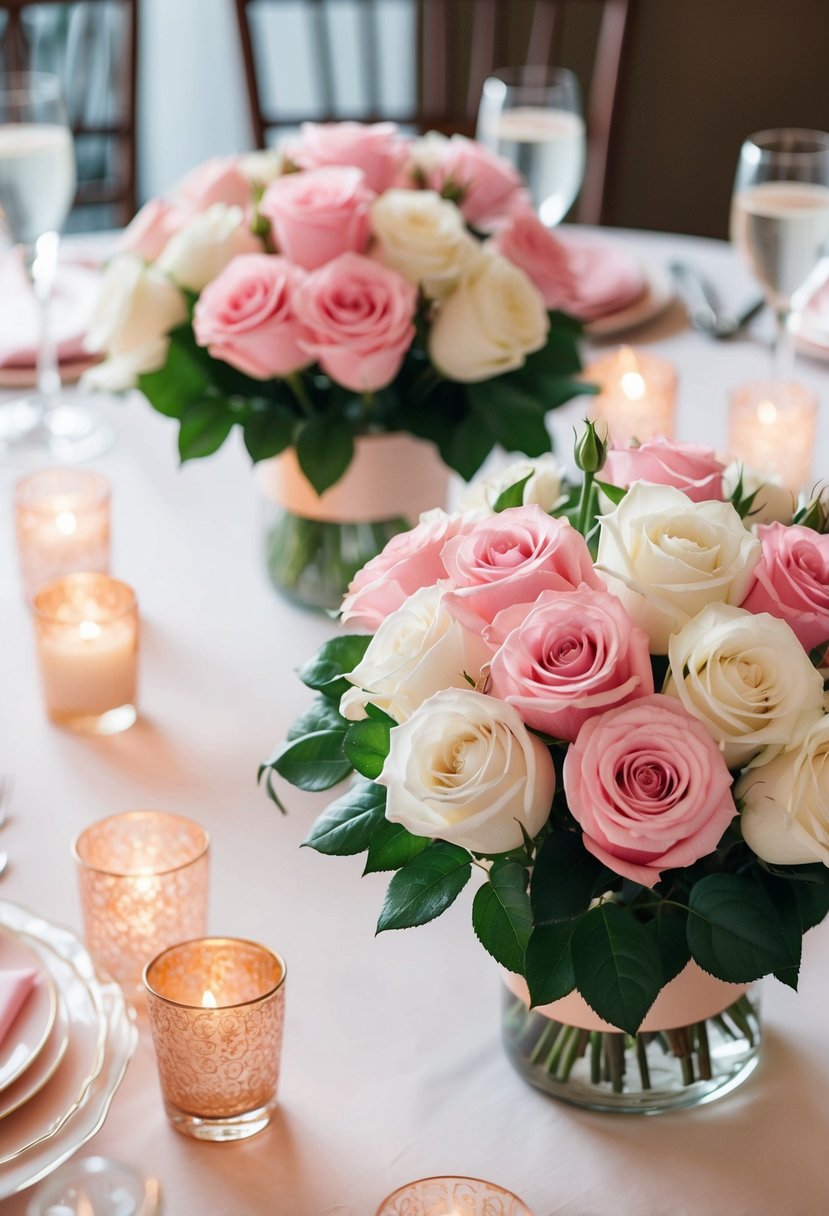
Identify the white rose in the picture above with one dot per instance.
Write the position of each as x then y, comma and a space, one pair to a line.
747, 679
423, 237
493, 319
417, 651
262, 167
773, 502
464, 768
666, 558
785, 804
545, 486
203, 247
121, 372
428, 152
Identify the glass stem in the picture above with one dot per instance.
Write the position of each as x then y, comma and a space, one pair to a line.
40, 261
783, 352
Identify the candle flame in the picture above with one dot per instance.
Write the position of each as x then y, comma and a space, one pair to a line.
89, 630
208, 1000
633, 386
767, 413
66, 523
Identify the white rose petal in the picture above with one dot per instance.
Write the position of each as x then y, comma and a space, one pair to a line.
493, 319
200, 250
772, 503
666, 558
417, 651
423, 237
121, 372
262, 167
545, 486
747, 679
464, 768
137, 305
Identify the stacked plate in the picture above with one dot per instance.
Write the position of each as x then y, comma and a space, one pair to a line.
65, 1055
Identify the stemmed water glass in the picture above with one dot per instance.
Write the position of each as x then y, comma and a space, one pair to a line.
37, 185
780, 224
533, 117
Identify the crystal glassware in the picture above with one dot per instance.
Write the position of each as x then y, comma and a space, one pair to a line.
96, 1186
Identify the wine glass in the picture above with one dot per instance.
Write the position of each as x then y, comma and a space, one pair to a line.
533, 117
780, 224
37, 185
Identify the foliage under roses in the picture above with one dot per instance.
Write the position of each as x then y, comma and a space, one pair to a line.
635, 758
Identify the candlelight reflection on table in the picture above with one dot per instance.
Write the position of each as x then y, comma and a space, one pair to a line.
62, 521
637, 395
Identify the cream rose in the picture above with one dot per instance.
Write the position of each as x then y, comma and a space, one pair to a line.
203, 247
423, 237
747, 679
417, 651
464, 768
785, 804
545, 486
667, 558
137, 307
493, 319
773, 503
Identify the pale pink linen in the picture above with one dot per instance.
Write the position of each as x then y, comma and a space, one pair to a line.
16, 985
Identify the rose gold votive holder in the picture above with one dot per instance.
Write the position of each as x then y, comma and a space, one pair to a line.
217, 1008
637, 395
86, 626
143, 879
772, 429
62, 524
452, 1197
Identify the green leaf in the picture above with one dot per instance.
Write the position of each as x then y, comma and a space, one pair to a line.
512, 415
347, 825
204, 428
314, 759
617, 966
392, 846
177, 385
325, 671
549, 962
425, 887
513, 496
812, 904
324, 448
367, 746
735, 931
466, 446
819, 655
614, 493
269, 431
501, 915
565, 878
669, 931
784, 897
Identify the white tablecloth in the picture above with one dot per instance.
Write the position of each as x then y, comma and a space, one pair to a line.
392, 1065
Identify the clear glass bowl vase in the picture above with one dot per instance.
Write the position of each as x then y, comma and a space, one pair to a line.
644, 1074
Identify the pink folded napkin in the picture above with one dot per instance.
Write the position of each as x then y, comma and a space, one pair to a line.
73, 305
15, 987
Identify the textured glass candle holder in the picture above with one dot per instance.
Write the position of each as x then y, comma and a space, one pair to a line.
637, 395
772, 429
216, 1008
86, 627
62, 519
452, 1197
143, 879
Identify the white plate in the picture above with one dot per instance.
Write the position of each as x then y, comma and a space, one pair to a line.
30, 1030
44, 1066
120, 1037
656, 297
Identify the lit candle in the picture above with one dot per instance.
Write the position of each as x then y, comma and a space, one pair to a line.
216, 1009
637, 395
772, 429
62, 523
87, 642
143, 878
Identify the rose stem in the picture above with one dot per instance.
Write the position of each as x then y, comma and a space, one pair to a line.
738, 1017
642, 1060
572, 1052
614, 1046
595, 1057
549, 1032
551, 1063
703, 1052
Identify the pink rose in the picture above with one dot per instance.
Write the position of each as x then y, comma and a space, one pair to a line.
358, 315
151, 228
376, 148
542, 256
571, 656
792, 581
409, 561
665, 462
488, 184
246, 316
510, 559
649, 787
219, 180
320, 214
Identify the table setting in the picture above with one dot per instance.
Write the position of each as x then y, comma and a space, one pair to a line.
294, 433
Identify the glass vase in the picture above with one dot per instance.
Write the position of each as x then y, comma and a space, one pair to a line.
643, 1074
315, 544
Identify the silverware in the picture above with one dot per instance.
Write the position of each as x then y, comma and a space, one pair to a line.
703, 304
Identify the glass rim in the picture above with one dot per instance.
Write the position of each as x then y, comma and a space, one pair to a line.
102, 495
130, 599
779, 135
21, 84
211, 940
124, 815
401, 1190
531, 76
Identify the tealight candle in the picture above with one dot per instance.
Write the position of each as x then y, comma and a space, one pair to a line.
451, 1197
637, 395
143, 878
87, 644
772, 428
216, 1009
62, 523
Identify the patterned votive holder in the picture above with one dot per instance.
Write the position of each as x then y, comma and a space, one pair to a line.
62, 524
143, 879
452, 1197
637, 395
216, 1008
772, 429
87, 643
